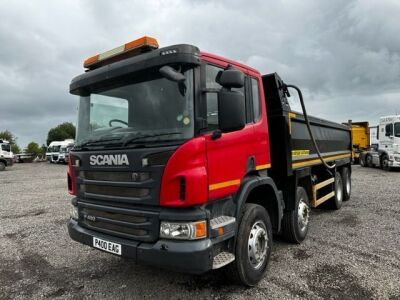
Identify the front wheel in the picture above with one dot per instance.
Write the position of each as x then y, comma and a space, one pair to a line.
385, 162
295, 222
253, 246
2, 166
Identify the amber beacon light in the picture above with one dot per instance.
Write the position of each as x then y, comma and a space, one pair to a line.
135, 47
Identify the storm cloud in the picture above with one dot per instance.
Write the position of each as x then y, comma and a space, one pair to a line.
345, 55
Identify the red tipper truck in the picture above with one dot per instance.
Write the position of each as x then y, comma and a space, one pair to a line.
190, 161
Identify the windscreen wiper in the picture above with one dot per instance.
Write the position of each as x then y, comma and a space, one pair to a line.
135, 138
97, 142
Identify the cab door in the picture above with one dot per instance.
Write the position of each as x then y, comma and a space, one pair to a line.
232, 155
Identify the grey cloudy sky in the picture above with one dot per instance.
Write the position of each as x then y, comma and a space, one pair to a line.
345, 55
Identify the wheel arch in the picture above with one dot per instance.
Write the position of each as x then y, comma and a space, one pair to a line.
382, 153
262, 191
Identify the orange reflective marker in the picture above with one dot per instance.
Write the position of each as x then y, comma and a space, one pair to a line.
220, 231
201, 229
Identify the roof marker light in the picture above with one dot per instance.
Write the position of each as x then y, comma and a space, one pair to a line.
134, 47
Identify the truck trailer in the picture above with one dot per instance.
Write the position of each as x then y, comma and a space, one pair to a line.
360, 137
386, 152
189, 161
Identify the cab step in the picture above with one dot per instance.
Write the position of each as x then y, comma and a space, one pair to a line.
221, 221
222, 259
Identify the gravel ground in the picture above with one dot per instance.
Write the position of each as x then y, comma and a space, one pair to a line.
353, 253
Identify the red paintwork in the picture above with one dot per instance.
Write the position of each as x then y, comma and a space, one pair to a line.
204, 162
188, 161
71, 176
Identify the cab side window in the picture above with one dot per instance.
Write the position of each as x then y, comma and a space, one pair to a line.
255, 99
212, 98
389, 130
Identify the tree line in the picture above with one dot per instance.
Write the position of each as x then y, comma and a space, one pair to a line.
60, 132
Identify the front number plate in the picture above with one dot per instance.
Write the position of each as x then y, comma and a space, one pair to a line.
107, 246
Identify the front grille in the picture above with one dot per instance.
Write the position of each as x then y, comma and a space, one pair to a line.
116, 228
160, 158
126, 223
121, 200
115, 216
115, 176
119, 191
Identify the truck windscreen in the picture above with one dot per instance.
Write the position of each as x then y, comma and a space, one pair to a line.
6, 147
146, 112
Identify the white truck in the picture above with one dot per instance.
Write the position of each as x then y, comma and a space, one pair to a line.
6, 155
386, 153
57, 152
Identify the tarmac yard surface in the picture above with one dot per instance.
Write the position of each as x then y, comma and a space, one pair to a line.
353, 253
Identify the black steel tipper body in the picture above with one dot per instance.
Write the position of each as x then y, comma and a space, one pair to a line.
333, 140
291, 146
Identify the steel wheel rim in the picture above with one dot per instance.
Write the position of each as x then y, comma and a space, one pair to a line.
339, 191
303, 215
348, 185
257, 245
385, 163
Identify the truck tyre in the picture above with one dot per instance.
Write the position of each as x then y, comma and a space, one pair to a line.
336, 202
253, 246
295, 223
368, 161
346, 178
2, 166
362, 161
385, 162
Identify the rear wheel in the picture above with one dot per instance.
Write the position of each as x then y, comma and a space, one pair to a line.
2, 166
295, 223
346, 178
336, 202
253, 246
368, 161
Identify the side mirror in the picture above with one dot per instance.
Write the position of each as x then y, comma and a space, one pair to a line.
231, 78
231, 110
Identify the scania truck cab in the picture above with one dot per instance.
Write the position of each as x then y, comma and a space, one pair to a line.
189, 161
6, 155
387, 153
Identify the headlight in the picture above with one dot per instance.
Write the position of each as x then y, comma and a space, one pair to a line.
74, 212
183, 231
